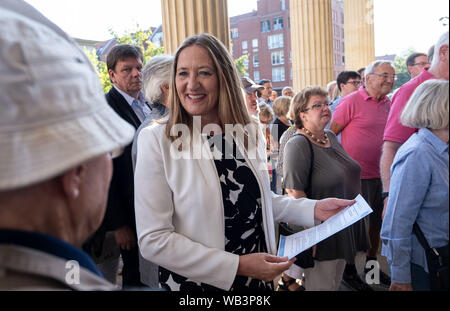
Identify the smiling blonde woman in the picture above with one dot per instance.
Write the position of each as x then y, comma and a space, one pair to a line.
208, 221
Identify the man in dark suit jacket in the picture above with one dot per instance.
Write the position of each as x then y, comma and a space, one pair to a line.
124, 63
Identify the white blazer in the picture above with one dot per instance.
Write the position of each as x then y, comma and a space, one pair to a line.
180, 214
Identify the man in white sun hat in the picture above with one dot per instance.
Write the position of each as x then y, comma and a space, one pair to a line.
57, 137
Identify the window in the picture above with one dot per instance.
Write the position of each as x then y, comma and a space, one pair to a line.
234, 33
275, 41
265, 26
278, 74
256, 76
255, 61
283, 5
278, 58
343, 60
291, 75
290, 57
255, 45
246, 63
244, 45
278, 23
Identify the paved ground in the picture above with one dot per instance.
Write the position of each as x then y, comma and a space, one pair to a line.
360, 262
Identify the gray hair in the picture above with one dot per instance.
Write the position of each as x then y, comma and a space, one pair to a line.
428, 106
286, 88
156, 73
371, 68
443, 40
329, 85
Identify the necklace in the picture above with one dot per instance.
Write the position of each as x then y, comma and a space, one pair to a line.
317, 140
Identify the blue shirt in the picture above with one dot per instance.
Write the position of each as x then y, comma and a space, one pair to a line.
333, 106
263, 101
418, 192
141, 102
158, 111
335, 103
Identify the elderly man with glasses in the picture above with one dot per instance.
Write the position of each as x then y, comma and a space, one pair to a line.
361, 118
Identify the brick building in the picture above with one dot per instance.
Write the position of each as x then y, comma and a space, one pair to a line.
265, 35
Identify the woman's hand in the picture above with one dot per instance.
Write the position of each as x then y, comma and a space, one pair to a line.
125, 238
263, 266
326, 208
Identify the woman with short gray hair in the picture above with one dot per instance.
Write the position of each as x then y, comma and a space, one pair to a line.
156, 81
156, 77
419, 188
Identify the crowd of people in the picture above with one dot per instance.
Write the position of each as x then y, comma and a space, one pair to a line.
185, 169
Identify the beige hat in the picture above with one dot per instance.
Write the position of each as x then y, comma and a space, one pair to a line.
250, 86
53, 113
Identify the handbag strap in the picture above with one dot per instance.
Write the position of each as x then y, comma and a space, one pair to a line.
420, 236
311, 165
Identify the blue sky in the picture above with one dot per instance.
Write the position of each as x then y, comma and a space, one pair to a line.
399, 24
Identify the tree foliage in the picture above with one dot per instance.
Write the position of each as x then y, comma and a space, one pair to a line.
137, 37
140, 38
101, 69
242, 64
401, 70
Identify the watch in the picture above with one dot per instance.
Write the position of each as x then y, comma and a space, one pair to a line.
384, 195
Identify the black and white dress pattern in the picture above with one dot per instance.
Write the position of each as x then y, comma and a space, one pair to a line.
243, 220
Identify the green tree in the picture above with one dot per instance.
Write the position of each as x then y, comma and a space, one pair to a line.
101, 69
137, 37
140, 38
242, 64
401, 70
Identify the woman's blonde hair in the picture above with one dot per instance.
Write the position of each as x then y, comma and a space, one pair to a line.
427, 106
281, 105
231, 105
336, 93
301, 100
266, 112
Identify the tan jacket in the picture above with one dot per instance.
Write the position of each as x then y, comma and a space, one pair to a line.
27, 269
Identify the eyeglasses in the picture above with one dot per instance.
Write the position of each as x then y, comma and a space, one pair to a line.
318, 106
355, 83
421, 64
385, 76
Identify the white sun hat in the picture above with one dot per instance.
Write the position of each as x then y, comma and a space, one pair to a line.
53, 113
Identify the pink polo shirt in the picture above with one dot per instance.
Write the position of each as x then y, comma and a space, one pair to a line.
364, 119
395, 131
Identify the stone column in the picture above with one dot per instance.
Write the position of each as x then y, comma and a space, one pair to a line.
359, 34
183, 18
312, 43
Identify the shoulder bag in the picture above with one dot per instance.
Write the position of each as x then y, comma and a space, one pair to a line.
437, 261
304, 259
